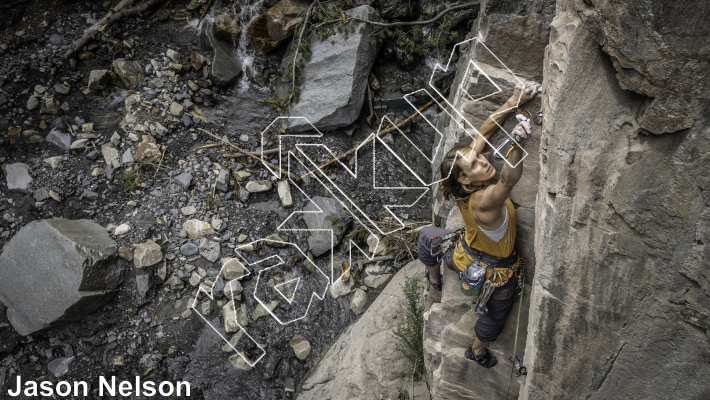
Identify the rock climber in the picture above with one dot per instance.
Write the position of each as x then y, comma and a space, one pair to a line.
489, 235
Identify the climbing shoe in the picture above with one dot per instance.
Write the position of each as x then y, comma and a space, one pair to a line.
436, 286
487, 359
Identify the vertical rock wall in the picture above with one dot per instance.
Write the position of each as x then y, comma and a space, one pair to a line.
620, 305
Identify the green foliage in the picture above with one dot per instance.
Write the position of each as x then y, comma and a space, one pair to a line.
132, 179
409, 330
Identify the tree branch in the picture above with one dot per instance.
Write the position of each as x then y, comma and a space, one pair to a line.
109, 19
413, 23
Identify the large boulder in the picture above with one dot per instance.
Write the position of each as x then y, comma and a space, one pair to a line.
277, 24
335, 77
130, 72
226, 27
622, 219
361, 362
226, 65
56, 271
333, 216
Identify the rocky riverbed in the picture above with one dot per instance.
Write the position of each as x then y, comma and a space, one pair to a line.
128, 135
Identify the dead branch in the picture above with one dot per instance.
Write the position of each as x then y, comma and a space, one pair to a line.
364, 261
118, 13
207, 146
371, 138
203, 15
427, 22
248, 154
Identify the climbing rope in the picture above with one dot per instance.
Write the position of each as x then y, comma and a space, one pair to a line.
515, 345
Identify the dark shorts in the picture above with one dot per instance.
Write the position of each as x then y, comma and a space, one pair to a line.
490, 324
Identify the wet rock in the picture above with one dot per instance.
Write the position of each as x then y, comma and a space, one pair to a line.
18, 177
60, 366
258, 186
332, 217
284, 190
147, 254
88, 278
276, 25
59, 139
358, 301
130, 72
226, 65
210, 249
98, 79
196, 229
183, 180
335, 77
227, 28
301, 348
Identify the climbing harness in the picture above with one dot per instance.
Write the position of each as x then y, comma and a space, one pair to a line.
521, 370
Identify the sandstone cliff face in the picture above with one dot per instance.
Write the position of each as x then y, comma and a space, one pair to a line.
449, 323
620, 305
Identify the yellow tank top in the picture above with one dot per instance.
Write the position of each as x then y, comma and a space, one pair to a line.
478, 240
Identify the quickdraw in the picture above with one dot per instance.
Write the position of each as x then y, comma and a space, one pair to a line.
519, 369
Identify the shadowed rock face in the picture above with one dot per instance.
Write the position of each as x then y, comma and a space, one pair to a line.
658, 49
57, 271
621, 283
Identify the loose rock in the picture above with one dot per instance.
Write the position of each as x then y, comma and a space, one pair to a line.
301, 348
147, 254
18, 177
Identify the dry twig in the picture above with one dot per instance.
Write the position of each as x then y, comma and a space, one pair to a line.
109, 19
248, 154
